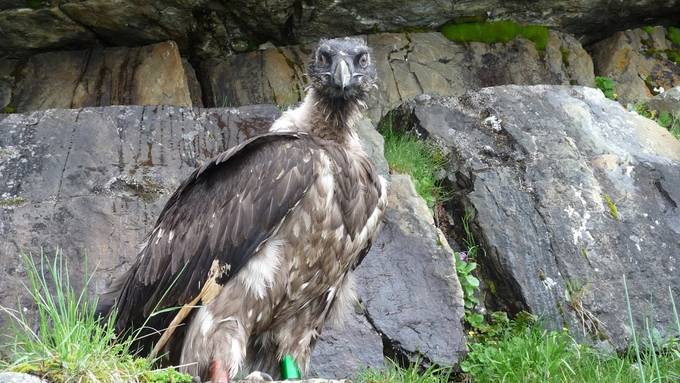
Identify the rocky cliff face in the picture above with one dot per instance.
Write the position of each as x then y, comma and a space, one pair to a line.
408, 64
213, 28
571, 194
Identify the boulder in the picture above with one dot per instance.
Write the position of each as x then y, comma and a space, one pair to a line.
638, 60
92, 181
15, 377
408, 283
408, 64
149, 75
570, 193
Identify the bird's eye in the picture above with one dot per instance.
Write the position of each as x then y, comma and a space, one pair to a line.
363, 60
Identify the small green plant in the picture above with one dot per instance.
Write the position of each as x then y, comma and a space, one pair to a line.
607, 86
422, 160
69, 342
465, 266
613, 210
8, 109
670, 121
649, 29
496, 32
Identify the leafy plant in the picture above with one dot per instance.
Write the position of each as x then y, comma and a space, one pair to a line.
465, 266
70, 342
607, 86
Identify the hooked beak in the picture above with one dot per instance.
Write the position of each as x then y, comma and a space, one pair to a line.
342, 73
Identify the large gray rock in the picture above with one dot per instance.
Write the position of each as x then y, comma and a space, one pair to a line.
92, 181
638, 60
537, 165
149, 75
408, 283
408, 65
213, 28
15, 377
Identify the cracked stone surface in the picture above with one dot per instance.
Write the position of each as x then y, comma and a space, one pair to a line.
638, 60
149, 75
92, 181
206, 28
408, 64
536, 164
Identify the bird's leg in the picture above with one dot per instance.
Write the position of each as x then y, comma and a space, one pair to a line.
218, 372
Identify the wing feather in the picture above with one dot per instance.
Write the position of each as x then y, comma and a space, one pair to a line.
224, 211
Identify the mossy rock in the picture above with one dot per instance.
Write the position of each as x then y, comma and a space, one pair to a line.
496, 32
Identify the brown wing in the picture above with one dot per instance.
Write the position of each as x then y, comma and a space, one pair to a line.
223, 212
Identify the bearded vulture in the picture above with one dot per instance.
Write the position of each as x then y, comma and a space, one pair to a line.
257, 246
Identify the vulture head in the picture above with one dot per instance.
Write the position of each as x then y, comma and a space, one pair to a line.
341, 70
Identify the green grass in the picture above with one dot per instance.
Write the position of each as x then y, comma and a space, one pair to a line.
523, 351
412, 374
538, 355
496, 32
607, 87
69, 343
407, 154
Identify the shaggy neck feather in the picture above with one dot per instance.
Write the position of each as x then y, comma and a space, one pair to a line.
330, 119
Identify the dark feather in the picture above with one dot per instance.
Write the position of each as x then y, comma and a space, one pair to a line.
249, 189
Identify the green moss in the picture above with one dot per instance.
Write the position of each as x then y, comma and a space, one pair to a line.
673, 35
9, 109
12, 201
613, 210
565, 56
648, 28
607, 86
496, 32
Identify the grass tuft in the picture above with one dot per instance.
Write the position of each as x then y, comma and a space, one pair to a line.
69, 342
412, 374
407, 154
496, 32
